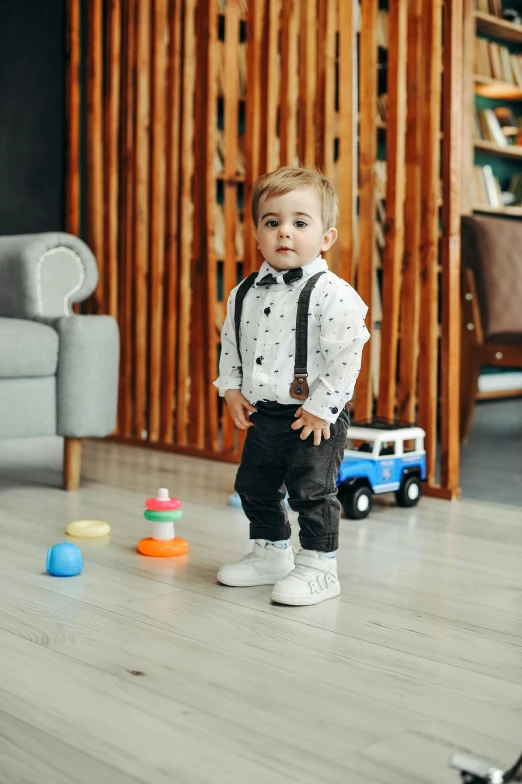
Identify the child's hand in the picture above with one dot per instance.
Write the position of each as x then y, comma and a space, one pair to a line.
238, 407
311, 424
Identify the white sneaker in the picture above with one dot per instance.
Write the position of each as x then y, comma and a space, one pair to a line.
313, 580
265, 565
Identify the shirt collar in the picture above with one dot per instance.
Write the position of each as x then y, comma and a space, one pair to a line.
317, 265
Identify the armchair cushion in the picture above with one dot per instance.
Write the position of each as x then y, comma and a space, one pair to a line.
27, 349
492, 248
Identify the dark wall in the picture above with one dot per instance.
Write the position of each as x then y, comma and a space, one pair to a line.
32, 125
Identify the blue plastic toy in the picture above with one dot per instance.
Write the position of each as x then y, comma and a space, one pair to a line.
389, 458
64, 560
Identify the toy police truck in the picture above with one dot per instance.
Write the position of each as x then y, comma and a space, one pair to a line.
381, 457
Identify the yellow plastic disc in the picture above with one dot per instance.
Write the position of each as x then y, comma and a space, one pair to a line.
88, 529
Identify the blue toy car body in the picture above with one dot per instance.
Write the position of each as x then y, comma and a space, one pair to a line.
387, 458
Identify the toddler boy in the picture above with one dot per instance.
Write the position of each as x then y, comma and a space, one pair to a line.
291, 353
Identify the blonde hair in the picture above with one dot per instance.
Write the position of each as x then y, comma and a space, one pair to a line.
288, 179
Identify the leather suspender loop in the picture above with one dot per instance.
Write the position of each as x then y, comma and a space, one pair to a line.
299, 389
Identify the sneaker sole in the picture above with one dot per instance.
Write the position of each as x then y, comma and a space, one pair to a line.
306, 601
251, 582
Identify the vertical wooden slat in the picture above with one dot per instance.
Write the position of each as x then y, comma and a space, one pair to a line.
186, 219
203, 400
410, 294
127, 252
346, 165
468, 101
428, 336
73, 88
142, 214
288, 92
157, 216
212, 335
451, 315
307, 82
253, 122
173, 234
94, 155
112, 173
231, 98
395, 190
269, 97
325, 105
367, 190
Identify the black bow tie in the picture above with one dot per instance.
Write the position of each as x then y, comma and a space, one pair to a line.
288, 277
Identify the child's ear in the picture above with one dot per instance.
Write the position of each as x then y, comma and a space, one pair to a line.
329, 238
254, 231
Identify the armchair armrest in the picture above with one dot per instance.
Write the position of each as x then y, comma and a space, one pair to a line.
41, 275
87, 378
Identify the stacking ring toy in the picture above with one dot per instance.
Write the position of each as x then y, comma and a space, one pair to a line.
88, 529
162, 512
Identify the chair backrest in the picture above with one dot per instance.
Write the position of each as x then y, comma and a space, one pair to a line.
492, 248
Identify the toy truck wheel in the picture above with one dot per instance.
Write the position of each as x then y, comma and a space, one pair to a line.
357, 503
409, 492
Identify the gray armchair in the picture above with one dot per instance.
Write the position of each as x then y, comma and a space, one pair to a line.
58, 370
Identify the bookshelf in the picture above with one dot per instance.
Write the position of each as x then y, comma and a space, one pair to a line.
493, 63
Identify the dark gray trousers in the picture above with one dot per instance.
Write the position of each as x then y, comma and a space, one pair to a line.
275, 459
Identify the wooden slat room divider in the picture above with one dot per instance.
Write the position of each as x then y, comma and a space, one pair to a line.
185, 103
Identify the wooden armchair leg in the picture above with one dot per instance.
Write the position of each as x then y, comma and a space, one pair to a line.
470, 369
72, 463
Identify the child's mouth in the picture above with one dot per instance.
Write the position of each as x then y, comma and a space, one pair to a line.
284, 250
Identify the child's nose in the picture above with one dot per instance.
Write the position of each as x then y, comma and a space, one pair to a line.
284, 230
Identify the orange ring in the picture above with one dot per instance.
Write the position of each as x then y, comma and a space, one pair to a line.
162, 549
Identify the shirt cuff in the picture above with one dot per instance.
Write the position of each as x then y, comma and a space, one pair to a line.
224, 383
325, 406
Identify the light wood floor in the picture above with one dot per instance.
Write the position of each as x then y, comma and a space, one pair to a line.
148, 671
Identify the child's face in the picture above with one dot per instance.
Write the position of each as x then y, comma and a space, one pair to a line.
290, 231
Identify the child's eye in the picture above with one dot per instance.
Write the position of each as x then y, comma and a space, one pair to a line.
272, 224
300, 224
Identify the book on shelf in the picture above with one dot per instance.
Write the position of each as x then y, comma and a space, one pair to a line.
515, 187
219, 234
382, 107
495, 61
485, 187
220, 154
488, 128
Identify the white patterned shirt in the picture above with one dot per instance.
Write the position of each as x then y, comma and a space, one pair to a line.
336, 336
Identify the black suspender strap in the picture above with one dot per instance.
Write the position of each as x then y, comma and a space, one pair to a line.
241, 293
299, 388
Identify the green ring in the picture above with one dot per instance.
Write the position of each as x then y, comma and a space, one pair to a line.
163, 517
